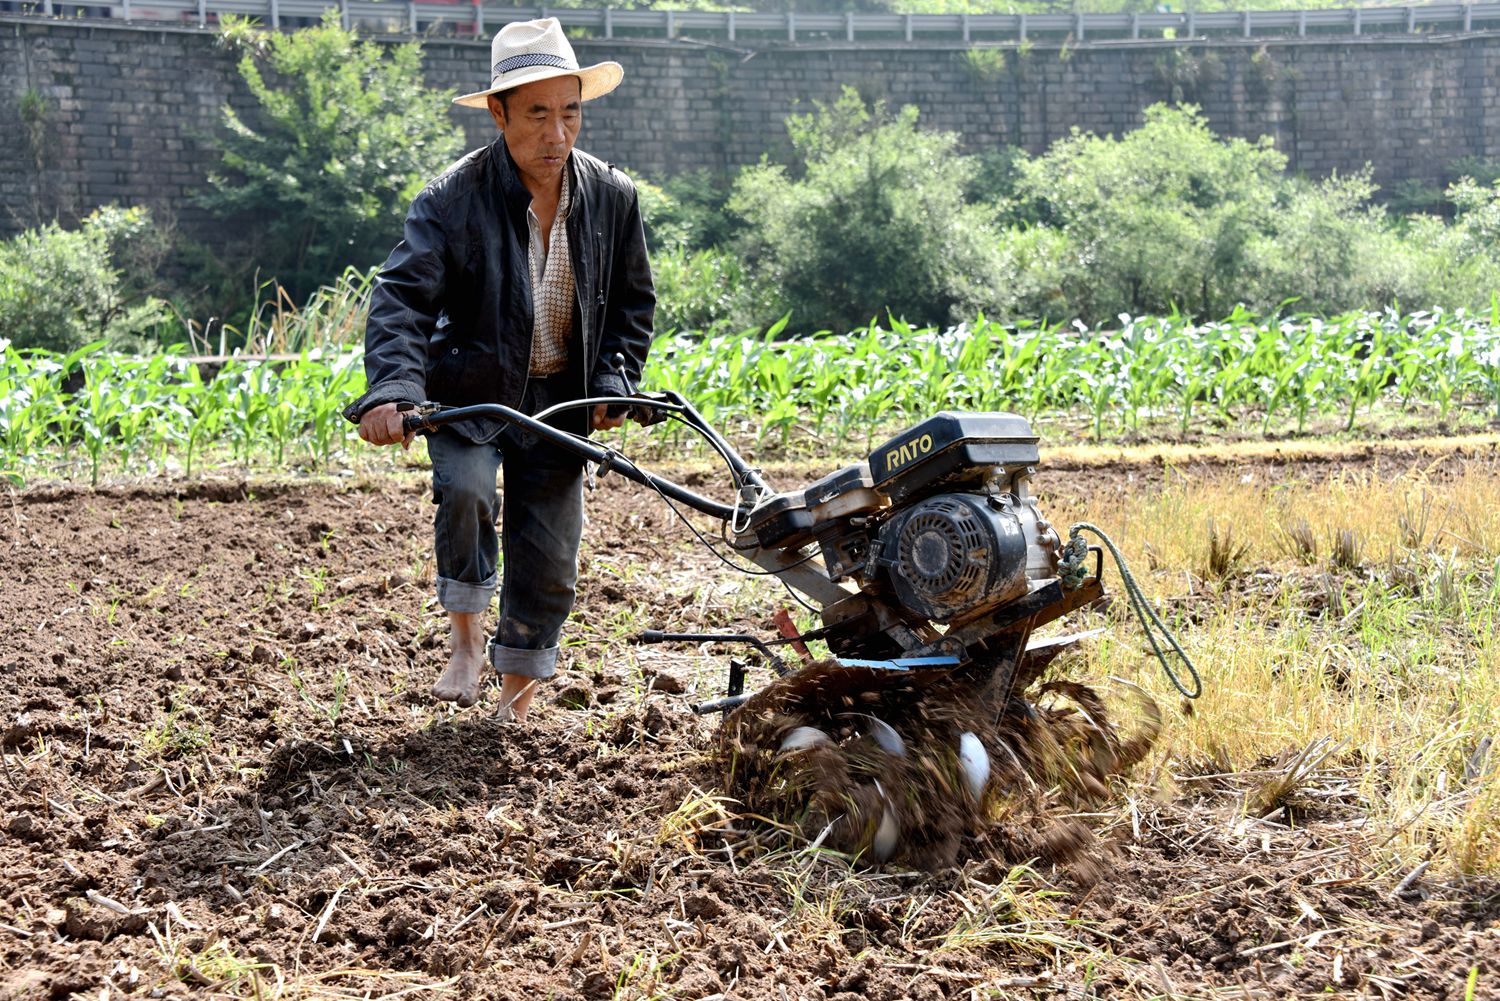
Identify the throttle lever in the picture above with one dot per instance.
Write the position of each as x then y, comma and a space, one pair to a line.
416, 414
613, 410
642, 413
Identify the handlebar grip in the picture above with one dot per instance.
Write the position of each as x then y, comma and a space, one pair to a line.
646, 415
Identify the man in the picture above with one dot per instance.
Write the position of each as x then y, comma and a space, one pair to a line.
521, 279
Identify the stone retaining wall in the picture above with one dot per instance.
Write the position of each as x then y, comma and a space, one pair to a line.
125, 109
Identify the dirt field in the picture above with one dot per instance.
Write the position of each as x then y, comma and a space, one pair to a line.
223, 775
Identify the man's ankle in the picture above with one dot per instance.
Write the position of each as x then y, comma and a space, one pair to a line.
466, 631
516, 693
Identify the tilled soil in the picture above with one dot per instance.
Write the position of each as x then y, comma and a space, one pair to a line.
223, 775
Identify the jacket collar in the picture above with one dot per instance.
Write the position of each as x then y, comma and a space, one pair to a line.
512, 188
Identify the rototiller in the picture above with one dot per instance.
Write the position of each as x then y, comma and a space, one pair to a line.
929, 564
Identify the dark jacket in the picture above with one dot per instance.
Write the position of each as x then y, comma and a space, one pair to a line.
450, 313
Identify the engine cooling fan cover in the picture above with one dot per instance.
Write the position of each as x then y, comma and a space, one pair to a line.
953, 554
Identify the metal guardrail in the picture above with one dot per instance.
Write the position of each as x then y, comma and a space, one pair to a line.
474, 18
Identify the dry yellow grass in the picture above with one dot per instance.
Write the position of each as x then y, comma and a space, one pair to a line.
1357, 607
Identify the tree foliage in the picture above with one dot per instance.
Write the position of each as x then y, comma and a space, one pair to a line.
1161, 216
1173, 218
1478, 215
873, 218
344, 135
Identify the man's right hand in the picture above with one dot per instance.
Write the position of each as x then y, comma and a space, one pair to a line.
382, 426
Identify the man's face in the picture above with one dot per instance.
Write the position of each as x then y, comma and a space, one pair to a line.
541, 122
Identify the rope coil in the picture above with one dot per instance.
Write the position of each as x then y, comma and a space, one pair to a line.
1072, 573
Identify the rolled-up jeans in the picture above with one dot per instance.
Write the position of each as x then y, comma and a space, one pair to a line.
541, 523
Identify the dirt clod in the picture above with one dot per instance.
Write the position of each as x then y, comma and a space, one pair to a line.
667, 684
702, 905
574, 697
86, 919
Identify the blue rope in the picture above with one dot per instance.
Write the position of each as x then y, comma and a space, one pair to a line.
1072, 572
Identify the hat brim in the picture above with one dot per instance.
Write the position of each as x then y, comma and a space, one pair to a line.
595, 81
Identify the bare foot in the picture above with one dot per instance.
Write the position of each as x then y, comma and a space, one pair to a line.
515, 697
463, 681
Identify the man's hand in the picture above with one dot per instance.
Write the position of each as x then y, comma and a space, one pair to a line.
382, 426
603, 421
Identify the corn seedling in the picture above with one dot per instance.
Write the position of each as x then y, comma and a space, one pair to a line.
842, 388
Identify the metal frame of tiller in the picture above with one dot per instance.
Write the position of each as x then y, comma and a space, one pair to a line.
995, 641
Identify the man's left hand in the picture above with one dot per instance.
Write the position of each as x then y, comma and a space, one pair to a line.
603, 421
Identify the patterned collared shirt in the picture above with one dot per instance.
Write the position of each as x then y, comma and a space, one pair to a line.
551, 288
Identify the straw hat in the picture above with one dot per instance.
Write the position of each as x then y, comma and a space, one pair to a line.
527, 51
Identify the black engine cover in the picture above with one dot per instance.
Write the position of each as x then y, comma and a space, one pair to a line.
953, 554
951, 451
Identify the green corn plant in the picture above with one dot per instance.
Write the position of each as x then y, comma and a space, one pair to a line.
286, 404
338, 380
100, 406
1487, 365
1192, 379
246, 405
1373, 346
1450, 370
32, 407
145, 384
203, 406
850, 386
1147, 348
1231, 367
1018, 358
18, 431
1101, 368
1298, 382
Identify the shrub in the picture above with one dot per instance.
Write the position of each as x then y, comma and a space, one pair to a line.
872, 219
707, 290
660, 214
60, 288
1458, 264
686, 211
1327, 247
1478, 218
1044, 275
995, 175
1162, 217
700, 205
1171, 217
1435, 268
697, 287
345, 135
1482, 171
1336, 252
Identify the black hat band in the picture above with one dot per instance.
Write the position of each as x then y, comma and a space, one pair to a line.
526, 59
